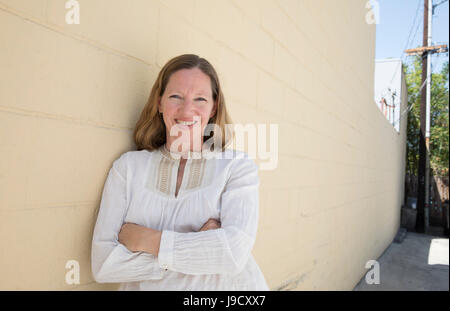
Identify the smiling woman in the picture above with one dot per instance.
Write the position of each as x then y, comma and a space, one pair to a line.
174, 219
182, 107
187, 88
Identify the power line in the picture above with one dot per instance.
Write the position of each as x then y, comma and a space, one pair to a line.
412, 26
415, 34
418, 9
438, 62
410, 105
438, 4
408, 40
403, 55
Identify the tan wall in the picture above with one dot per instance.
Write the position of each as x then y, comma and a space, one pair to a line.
71, 94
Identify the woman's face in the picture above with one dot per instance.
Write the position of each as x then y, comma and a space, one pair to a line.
187, 97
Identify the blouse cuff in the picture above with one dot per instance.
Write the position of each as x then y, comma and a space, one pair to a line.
165, 255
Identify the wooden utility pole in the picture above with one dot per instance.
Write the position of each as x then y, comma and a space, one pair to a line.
435, 49
424, 143
420, 220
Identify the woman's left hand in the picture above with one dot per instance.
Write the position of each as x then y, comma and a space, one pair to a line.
139, 238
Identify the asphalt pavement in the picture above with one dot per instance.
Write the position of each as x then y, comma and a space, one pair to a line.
418, 263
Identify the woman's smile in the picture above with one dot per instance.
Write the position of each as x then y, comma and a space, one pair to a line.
186, 123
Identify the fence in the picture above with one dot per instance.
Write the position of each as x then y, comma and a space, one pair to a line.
439, 196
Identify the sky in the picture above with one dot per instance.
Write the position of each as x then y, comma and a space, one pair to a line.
397, 20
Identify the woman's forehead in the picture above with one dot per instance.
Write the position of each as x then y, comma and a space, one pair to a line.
194, 88
193, 80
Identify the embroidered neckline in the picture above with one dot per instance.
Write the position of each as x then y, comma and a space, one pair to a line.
192, 155
162, 176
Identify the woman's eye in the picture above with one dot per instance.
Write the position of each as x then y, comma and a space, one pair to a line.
197, 99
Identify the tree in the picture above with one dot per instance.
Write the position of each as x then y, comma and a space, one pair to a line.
439, 123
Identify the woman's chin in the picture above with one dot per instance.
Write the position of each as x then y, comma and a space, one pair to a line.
187, 145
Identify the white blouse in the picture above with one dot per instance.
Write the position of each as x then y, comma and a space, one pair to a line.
140, 189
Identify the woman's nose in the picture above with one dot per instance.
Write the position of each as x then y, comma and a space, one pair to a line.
188, 104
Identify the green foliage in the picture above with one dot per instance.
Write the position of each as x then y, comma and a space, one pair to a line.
439, 126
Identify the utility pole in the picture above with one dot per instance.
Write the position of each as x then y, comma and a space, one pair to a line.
422, 220
427, 125
421, 204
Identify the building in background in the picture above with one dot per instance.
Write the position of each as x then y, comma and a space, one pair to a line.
390, 90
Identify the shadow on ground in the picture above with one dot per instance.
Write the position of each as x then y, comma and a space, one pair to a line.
419, 262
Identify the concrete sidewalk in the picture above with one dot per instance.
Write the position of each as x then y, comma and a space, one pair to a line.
419, 262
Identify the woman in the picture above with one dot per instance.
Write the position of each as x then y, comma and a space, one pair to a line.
175, 215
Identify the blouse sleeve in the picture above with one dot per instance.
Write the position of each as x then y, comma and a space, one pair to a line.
111, 261
225, 250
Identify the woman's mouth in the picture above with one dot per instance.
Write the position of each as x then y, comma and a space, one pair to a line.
188, 124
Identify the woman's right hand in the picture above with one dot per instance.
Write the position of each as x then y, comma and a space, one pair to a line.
210, 225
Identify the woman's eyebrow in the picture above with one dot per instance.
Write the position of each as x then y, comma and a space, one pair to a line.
201, 93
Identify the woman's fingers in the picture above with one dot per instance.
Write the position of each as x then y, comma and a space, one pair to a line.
211, 224
212, 221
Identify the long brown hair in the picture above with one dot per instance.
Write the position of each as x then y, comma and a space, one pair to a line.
150, 130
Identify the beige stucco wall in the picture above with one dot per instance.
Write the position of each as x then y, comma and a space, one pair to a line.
71, 94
